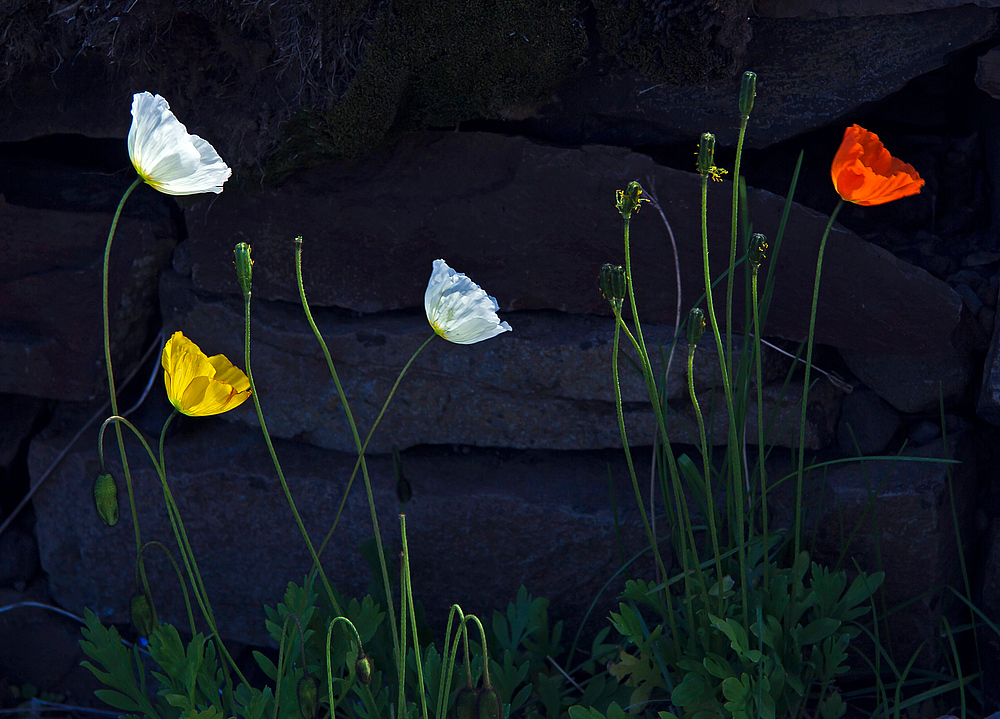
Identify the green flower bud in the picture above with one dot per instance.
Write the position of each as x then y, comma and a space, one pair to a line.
141, 612
244, 267
706, 154
696, 327
612, 282
308, 694
758, 250
748, 90
629, 199
489, 705
363, 668
106, 498
404, 492
465, 703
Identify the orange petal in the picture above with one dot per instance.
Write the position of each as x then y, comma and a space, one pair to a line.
865, 173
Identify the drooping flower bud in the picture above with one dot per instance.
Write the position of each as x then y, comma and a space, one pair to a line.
629, 199
748, 90
308, 694
695, 327
465, 703
363, 668
106, 498
141, 611
489, 705
757, 252
244, 267
612, 282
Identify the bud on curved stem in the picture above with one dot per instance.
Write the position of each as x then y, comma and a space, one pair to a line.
489, 705
308, 696
465, 703
141, 614
612, 283
106, 498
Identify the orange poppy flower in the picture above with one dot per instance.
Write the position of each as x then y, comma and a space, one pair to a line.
865, 173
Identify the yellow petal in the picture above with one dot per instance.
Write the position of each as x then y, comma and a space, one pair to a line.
226, 372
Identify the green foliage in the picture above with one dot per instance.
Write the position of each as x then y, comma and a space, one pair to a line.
795, 648
190, 681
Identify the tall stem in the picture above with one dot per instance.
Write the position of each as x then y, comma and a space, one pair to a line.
805, 384
111, 373
277, 465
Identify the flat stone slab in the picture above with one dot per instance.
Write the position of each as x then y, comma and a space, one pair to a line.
51, 341
547, 384
480, 524
533, 224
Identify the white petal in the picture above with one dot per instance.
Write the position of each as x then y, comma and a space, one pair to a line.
166, 156
458, 309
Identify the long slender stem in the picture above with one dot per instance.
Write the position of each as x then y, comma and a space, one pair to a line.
805, 384
111, 373
735, 455
760, 421
408, 589
277, 465
707, 470
400, 651
732, 243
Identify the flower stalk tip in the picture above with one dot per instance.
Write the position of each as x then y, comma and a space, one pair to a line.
244, 267
706, 158
630, 199
748, 91
695, 327
141, 614
757, 252
612, 283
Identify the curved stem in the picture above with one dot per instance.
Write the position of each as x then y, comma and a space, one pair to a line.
274, 459
760, 423
357, 441
111, 373
180, 580
805, 384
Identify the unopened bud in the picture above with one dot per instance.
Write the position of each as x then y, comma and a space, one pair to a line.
489, 705
696, 327
404, 492
706, 154
612, 282
244, 267
106, 498
748, 90
629, 199
757, 252
308, 694
363, 668
141, 612
465, 703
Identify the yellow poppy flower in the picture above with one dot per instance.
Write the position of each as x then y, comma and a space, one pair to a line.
198, 385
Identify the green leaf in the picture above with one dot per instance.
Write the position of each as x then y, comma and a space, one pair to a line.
117, 700
818, 630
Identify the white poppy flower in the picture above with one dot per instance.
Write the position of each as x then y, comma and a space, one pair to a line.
460, 310
166, 156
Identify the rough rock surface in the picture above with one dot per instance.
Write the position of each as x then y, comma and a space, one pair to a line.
988, 404
866, 424
479, 525
547, 384
373, 227
809, 73
824, 9
51, 342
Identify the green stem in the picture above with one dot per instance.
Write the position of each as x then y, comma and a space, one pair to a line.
732, 243
277, 465
190, 562
635, 481
111, 373
450, 656
413, 615
707, 464
329, 659
357, 442
760, 420
734, 453
805, 384
180, 580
